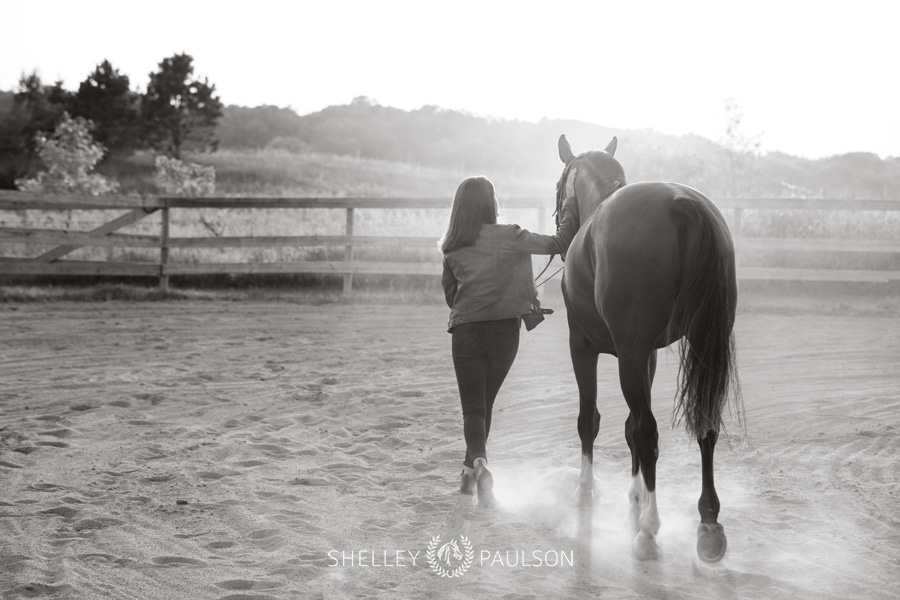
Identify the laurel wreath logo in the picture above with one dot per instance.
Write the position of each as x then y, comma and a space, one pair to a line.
438, 568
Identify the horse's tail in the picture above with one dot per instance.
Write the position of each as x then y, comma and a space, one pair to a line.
703, 313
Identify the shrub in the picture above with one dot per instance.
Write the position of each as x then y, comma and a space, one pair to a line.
290, 145
70, 155
176, 178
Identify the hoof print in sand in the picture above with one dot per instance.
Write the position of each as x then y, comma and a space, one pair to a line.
54, 444
65, 512
45, 487
30, 590
159, 478
178, 561
271, 449
266, 539
220, 545
214, 475
240, 585
94, 524
60, 433
151, 397
97, 557
250, 463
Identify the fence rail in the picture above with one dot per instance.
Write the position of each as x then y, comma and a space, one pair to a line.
107, 235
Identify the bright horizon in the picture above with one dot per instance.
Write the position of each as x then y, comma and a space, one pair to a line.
813, 79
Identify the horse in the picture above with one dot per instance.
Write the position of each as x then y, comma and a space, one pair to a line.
652, 264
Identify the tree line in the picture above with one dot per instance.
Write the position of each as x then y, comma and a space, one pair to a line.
180, 112
433, 136
177, 112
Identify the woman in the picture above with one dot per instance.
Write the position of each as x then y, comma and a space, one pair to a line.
489, 287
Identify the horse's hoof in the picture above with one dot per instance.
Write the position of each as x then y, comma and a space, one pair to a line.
711, 542
645, 547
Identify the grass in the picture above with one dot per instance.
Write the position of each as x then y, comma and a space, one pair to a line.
279, 173
282, 174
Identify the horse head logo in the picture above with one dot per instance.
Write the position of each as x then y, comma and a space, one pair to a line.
447, 549
440, 556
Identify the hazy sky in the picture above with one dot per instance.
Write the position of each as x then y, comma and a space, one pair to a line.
813, 78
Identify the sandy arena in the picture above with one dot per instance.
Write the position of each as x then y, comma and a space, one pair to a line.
251, 450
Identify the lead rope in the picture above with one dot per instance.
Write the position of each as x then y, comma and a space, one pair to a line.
552, 276
547, 266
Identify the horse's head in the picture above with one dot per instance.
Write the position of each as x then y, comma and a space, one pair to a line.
591, 177
447, 549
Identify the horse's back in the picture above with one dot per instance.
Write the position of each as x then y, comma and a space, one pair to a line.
625, 264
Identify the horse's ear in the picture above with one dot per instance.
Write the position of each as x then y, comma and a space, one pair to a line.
565, 150
611, 147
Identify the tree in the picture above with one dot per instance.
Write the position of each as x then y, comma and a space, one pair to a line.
740, 147
42, 105
179, 111
35, 111
70, 155
256, 127
106, 99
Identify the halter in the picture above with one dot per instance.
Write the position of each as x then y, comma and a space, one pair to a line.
561, 187
560, 198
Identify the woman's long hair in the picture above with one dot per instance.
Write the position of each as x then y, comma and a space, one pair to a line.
473, 206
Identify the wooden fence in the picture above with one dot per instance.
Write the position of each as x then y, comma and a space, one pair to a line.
63, 242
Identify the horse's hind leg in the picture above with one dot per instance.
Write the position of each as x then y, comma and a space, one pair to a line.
584, 363
711, 542
635, 492
634, 376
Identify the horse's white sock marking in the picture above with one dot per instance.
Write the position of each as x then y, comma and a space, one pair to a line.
634, 493
586, 477
649, 521
645, 520
634, 500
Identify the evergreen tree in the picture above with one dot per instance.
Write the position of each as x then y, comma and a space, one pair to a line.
178, 110
106, 99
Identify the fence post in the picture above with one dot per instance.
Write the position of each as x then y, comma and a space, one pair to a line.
164, 249
348, 251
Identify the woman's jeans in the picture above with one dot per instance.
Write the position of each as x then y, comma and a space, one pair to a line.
483, 352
